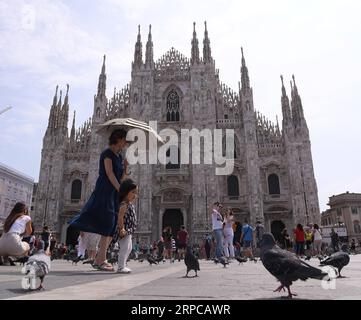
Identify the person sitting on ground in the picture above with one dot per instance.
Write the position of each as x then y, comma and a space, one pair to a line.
17, 225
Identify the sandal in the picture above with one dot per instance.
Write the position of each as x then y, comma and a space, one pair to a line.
105, 266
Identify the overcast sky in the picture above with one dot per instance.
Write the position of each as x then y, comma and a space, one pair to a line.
45, 43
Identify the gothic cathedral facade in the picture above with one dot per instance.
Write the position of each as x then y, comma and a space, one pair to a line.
273, 178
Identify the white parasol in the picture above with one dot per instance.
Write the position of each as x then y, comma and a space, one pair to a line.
106, 128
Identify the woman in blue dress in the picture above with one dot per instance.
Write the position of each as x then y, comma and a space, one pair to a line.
99, 215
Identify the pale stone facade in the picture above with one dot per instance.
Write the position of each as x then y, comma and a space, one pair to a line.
14, 187
185, 93
345, 210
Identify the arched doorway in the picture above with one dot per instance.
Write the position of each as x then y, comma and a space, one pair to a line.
174, 219
72, 236
276, 228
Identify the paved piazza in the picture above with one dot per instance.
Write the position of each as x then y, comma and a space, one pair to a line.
165, 281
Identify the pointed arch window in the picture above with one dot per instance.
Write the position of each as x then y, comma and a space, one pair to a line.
173, 156
76, 187
173, 106
233, 187
273, 184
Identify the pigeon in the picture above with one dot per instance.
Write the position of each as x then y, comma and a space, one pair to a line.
36, 268
141, 260
23, 260
337, 260
151, 260
77, 259
10, 260
286, 266
223, 261
90, 261
159, 259
191, 262
241, 259
113, 260
308, 258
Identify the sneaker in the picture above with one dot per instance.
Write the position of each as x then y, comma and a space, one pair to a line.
124, 270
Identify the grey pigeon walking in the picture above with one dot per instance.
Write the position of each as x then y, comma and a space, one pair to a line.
241, 259
23, 260
36, 268
76, 260
286, 266
223, 261
191, 262
113, 260
338, 260
151, 259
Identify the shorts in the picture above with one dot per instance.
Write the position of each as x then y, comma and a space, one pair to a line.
182, 246
12, 245
168, 245
247, 244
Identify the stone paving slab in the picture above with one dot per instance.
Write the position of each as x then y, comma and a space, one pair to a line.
166, 282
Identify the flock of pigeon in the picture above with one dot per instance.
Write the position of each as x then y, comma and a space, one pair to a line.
285, 266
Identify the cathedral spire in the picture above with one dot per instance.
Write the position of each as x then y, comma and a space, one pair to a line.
53, 111
149, 49
244, 74
207, 56
285, 102
296, 103
138, 60
56, 95
57, 113
66, 96
72, 132
195, 48
102, 80
65, 113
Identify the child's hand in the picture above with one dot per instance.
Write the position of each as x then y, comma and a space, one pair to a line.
122, 233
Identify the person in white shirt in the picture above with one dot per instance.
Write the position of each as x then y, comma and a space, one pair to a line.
317, 239
17, 225
217, 226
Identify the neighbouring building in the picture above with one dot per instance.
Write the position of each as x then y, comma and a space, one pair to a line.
345, 210
15, 186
